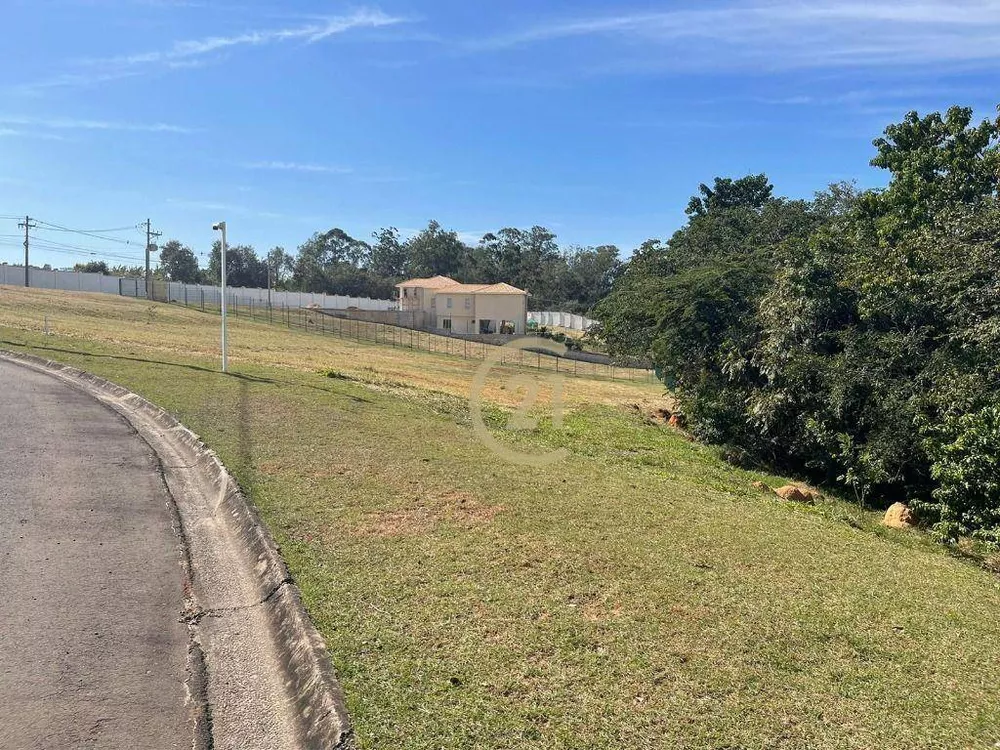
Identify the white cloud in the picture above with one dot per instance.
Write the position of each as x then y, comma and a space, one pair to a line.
75, 124
216, 207
90, 78
776, 34
186, 52
206, 205
290, 166
13, 133
195, 53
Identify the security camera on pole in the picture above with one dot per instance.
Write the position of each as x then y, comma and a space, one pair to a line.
221, 227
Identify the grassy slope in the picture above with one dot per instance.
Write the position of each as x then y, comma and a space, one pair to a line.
636, 594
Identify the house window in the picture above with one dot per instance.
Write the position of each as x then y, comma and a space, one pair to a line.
449, 303
406, 292
468, 303
446, 324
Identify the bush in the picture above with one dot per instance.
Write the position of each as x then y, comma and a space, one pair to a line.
853, 339
966, 466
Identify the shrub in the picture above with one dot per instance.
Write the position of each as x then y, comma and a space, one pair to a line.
966, 467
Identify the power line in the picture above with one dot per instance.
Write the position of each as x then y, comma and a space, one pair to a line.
79, 253
49, 226
46, 241
113, 229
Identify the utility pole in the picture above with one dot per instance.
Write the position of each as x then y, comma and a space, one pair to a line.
150, 247
268, 285
26, 225
221, 227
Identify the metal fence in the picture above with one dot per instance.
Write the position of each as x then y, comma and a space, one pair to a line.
328, 324
561, 319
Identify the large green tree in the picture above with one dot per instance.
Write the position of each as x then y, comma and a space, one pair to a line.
243, 267
854, 337
435, 251
388, 257
179, 263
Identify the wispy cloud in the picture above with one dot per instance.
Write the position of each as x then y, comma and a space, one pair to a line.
13, 133
75, 124
781, 34
195, 53
188, 51
218, 207
64, 80
291, 166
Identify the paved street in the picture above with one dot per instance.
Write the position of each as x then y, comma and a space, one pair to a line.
91, 651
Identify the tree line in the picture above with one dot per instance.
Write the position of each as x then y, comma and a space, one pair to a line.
571, 279
855, 337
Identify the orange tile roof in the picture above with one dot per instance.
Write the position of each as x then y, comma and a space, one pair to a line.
435, 282
479, 289
501, 288
457, 288
450, 286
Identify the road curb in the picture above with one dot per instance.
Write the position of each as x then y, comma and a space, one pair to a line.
313, 699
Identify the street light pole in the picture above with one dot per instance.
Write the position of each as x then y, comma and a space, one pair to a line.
221, 226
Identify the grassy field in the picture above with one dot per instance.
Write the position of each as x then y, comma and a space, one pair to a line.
637, 594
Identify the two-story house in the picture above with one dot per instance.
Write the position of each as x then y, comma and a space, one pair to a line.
466, 308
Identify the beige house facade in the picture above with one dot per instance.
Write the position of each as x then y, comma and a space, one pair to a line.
466, 308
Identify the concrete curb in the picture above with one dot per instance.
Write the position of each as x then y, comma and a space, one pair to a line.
312, 700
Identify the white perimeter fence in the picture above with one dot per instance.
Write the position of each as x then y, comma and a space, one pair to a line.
201, 294
561, 319
175, 291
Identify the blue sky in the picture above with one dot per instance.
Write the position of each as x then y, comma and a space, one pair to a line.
596, 119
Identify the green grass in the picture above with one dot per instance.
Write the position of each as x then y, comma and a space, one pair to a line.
638, 594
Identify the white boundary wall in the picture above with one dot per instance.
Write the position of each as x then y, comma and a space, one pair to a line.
192, 294
561, 319
70, 280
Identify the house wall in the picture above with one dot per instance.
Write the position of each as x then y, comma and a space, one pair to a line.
499, 307
417, 299
459, 323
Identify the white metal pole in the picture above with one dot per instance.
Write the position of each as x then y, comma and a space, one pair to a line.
222, 226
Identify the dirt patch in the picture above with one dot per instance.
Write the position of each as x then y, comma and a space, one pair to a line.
391, 523
601, 611
657, 410
428, 511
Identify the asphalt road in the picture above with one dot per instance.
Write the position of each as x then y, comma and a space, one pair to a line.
92, 652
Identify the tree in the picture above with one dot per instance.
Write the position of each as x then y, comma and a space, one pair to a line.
388, 256
128, 271
936, 162
329, 262
752, 191
93, 266
589, 275
435, 252
179, 263
243, 267
855, 338
281, 266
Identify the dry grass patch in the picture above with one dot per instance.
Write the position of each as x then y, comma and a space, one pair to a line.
125, 324
424, 512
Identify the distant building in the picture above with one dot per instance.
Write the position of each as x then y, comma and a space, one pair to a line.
466, 308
